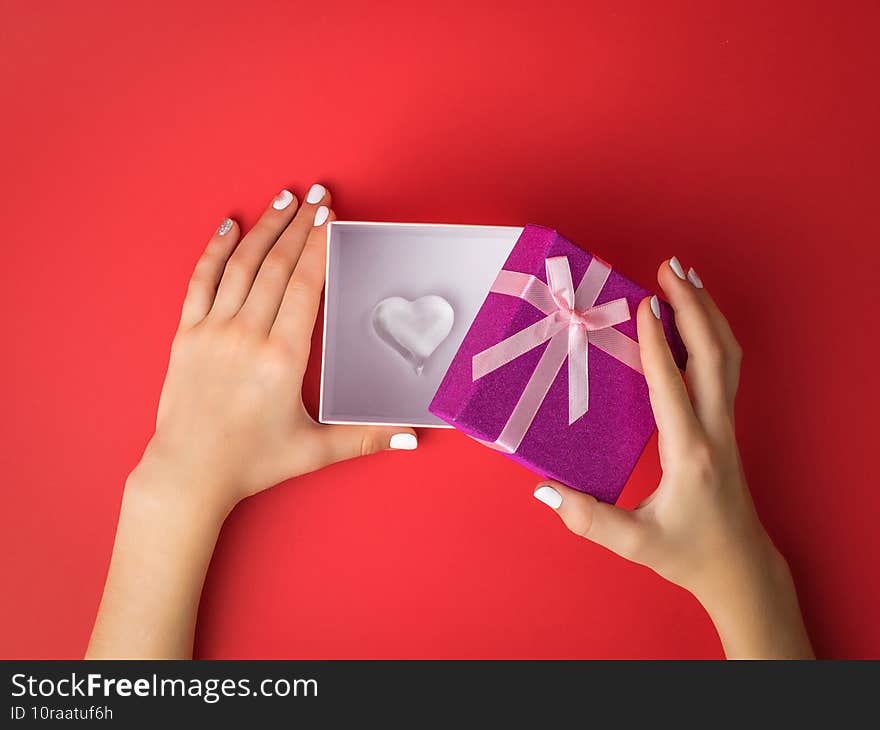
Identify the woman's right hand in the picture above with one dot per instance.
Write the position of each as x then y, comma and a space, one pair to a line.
699, 528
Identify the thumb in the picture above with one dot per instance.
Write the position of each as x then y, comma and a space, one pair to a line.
619, 530
347, 442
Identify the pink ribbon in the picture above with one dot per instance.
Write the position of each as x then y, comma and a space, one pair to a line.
572, 323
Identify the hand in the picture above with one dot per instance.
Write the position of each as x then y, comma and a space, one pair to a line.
699, 529
231, 419
231, 422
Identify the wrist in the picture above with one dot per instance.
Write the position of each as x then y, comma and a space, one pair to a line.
159, 489
747, 568
754, 608
164, 542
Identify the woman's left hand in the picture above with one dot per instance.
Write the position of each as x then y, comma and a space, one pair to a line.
231, 419
231, 422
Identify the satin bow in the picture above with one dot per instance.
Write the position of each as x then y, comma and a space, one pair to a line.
573, 321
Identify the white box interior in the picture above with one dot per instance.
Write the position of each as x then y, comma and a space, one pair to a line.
362, 379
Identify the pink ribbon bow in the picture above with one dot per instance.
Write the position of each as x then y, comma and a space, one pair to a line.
572, 323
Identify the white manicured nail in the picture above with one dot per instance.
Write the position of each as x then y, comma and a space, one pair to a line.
404, 441
225, 226
316, 193
548, 496
320, 218
675, 265
694, 278
282, 200
655, 306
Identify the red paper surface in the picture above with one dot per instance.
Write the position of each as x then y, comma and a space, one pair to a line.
744, 140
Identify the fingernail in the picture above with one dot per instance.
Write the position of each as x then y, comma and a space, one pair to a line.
225, 226
320, 217
316, 193
655, 306
548, 496
282, 200
675, 265
404, 441
694, 278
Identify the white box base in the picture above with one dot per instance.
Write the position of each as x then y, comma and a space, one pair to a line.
362, 379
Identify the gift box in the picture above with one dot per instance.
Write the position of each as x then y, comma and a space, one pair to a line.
363, 378
549, 372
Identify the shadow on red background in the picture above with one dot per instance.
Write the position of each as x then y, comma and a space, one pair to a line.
741, 139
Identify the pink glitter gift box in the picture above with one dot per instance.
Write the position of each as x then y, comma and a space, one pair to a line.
549, 372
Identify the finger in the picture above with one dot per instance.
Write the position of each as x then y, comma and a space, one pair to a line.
670, 402
706, 357
732, 349
619, 530
266, 294
238, 277
338, 443
206, 276
302, 298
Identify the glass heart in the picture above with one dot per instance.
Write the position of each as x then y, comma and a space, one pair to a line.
413, 329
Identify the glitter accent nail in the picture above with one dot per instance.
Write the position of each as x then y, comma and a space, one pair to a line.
225, 226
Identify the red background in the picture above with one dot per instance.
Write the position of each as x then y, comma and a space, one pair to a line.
739, 136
